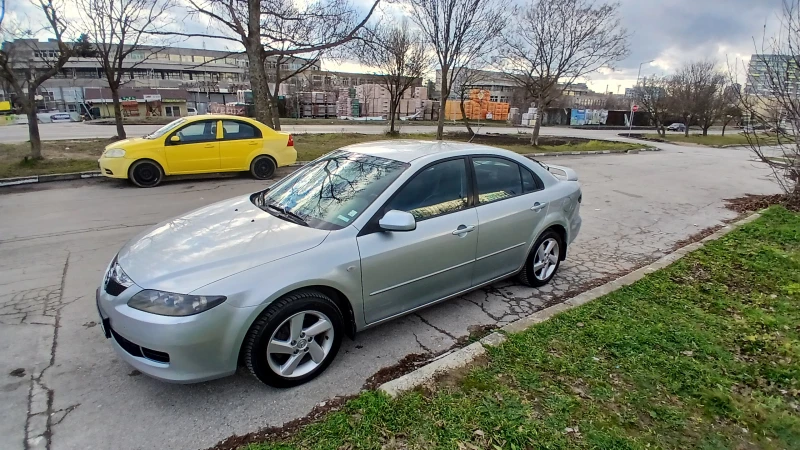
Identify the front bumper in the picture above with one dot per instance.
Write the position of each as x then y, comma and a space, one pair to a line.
114, 167
176, 349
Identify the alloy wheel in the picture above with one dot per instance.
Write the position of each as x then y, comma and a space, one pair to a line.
300, 344
546, 259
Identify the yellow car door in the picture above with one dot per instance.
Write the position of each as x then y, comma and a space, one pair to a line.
240, 140
193, 148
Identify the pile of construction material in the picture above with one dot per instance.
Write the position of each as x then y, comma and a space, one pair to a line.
317, 104
478, 107
529, 118
373, 100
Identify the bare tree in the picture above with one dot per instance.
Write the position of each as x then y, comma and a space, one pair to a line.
552, 43
772, 101
24, 67
468, 80
460, 32
709, 88
651, 93
399, 57
118, 29
695, 91
275, 29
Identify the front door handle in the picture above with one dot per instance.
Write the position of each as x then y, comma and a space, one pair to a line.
463, 229
538, 206
210, 146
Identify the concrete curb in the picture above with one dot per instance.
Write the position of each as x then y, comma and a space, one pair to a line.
464, 356
47, 178
96, 173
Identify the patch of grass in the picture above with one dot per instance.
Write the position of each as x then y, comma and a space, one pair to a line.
312, 146
703, 354
61, 156
715, 140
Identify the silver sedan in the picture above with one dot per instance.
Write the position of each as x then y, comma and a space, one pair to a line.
370, 232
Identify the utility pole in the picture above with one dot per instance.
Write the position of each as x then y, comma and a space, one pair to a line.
630, 125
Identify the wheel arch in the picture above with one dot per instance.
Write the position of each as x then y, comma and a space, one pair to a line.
146, 159
339, 299
258, 154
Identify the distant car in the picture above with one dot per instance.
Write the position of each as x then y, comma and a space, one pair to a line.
191, 111
273, 280
677, 126
199, 144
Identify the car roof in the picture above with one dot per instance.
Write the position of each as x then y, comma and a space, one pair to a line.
407, 150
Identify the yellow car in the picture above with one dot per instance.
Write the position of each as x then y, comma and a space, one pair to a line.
199, 144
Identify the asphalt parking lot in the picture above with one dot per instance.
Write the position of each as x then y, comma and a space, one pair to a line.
62, 386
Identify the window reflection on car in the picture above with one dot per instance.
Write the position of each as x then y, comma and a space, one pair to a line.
439, 189
331, 192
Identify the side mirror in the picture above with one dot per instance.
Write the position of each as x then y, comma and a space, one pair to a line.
175, 139
395, 220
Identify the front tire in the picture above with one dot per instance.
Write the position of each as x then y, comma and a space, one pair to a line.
544, 260
146, 173
262, 168
294, 340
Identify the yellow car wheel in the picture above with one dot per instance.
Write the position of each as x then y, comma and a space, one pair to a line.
146, 173
262, 168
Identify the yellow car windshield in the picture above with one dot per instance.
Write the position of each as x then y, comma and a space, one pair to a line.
165, 129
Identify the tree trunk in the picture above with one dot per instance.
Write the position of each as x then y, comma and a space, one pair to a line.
724, 125
276, 113
393, 107
659, 128
258, 83
705, 129
443, 97
537, 127
464, 117
33, 131
118, 113
685, 126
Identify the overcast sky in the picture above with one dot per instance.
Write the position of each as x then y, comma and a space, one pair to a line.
670, 32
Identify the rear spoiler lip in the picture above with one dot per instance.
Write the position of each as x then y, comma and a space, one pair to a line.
565, 174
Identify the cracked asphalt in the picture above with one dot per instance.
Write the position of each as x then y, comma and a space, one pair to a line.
62, 386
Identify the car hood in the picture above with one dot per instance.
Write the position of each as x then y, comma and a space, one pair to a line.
185, 253
130, 144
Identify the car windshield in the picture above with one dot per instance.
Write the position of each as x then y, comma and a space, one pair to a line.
165, 129
332, 191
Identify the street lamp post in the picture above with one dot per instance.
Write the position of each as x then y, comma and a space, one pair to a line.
630, 125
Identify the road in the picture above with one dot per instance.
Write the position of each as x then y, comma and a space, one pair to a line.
54, 131
63, 387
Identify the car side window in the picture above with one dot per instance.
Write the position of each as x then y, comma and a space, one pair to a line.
233, 130
497, 179
436, 190
530, 182
198, 132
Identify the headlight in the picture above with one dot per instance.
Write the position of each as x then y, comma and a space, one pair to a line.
118, 275
171, 304
114, 153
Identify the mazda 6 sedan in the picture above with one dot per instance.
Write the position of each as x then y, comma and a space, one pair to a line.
273, 280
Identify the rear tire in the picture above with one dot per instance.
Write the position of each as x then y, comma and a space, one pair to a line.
544, 260
294, 340
146, 173
262, 168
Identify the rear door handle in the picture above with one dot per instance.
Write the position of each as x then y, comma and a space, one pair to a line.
463, 229
253, 143
538, 206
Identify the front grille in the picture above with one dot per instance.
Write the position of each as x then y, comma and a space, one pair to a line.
136, 350
114, 288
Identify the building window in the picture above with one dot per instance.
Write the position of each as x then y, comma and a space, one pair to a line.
174, 57
172, 111
186, 58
